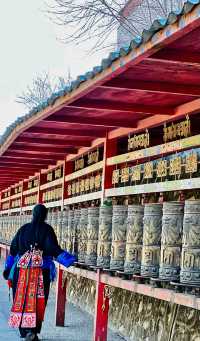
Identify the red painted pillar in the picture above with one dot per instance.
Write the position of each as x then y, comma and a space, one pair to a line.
101, 311
60, 298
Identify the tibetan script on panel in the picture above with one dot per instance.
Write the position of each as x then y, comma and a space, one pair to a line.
79, 164
138, 141
177, 130
93, 157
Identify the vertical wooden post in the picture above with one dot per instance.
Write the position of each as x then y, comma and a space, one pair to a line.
101, 311
60, 298
110, 149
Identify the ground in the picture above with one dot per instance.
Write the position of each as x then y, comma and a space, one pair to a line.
78, 324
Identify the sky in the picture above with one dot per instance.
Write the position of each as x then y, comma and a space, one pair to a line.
29, 45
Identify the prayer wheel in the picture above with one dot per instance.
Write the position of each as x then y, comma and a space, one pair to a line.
75, 231
119, 226
134, 239
54, 220
171, 240
69, 228
190, 259
82, 243
59, 225
152, 227
64, 227
104, 237
92, 236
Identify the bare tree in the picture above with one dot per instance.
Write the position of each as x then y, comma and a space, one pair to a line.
98, 19
42, 87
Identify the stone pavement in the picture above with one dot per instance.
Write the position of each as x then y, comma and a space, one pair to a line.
78, 324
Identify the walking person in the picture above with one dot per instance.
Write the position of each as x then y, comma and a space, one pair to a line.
30, 269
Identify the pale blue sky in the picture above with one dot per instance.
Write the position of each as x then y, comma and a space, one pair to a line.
29, 45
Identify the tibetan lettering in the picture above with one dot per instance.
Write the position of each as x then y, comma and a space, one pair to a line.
93, 157
175, 166
87, 184
79, 164
58, 173
136, 173
82, 186
177, 130
77, 187
92, 183
50, 176
161, 168
148, 170
138, 141
115, 177
125, 175
97, 181
191, 163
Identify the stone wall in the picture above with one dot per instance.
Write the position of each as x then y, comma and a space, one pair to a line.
138, 317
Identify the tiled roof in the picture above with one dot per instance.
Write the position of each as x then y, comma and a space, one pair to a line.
113, 56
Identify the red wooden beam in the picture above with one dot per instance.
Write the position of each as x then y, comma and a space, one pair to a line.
30, 167
42, 149
155, 87
120, 107
177, 62
92, 121
178, 55
67, 132
32, 156
8, 159
55, 141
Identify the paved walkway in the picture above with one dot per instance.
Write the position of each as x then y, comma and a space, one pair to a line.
78, 324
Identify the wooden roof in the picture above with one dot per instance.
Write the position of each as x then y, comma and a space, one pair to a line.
144, 86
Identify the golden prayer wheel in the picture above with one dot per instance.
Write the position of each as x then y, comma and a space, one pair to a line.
152, 227
105, 237
190, 259
92, 235
134, 239
171, 240
119, 227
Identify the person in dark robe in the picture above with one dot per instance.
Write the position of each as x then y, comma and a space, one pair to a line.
32, 251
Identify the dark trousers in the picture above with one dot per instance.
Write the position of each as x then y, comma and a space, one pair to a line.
46, 279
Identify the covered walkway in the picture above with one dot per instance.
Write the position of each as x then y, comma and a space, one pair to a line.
78, 324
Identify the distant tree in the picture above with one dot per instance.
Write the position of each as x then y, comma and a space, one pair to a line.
41, 89
98, 19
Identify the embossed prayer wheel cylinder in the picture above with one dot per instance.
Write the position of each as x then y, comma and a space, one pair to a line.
82, 242
59, 225
190, 258
171, 240
152, 227
92, 235
69, 227
74, 232
119, 226
104, 237
134, 238
64, 226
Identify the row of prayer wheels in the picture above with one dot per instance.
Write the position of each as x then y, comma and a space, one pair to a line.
10, 224
154, 240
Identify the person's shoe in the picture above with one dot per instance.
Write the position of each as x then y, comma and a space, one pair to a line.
30, 337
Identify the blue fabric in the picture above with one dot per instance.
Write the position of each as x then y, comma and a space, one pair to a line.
47, 264
9, 262
66, 259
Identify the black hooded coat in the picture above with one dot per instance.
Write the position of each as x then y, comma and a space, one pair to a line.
41, 235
